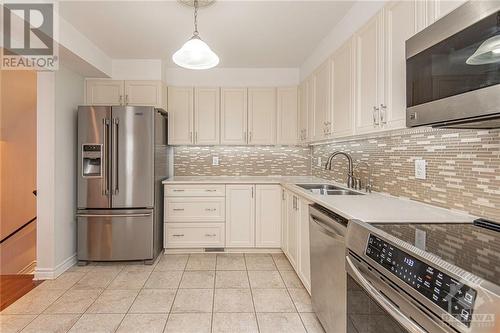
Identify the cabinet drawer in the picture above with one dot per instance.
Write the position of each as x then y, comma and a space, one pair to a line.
194, 235
195, 190
195, 209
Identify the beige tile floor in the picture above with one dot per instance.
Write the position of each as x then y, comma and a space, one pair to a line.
194, 293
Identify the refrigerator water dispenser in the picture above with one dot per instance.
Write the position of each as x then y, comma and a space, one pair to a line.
91, 161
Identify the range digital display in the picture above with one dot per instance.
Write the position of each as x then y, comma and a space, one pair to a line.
449, 294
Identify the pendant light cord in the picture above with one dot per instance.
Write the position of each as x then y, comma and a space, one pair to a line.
195, 17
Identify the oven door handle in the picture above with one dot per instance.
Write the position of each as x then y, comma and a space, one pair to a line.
401, 318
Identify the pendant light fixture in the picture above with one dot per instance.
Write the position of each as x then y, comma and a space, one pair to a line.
195, 53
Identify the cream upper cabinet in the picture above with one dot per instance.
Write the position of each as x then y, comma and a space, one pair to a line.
303, 113
180, 116
322, 102
310, 109
262, 116
104, 92
436, 9
233, 116
268, 216
369, 71
287, 116
206, 116
343, 90
145, 92
240, 216
400, 23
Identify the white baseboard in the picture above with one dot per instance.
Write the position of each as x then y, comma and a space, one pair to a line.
28, 269
52, 273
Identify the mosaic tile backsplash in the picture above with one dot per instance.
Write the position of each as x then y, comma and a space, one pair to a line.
463, 166
242, 161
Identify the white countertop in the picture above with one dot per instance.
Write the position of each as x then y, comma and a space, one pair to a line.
372, 207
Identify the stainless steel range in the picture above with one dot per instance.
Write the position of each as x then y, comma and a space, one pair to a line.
394, 286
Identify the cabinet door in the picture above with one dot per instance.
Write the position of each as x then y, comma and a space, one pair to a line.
368, 75
400, 24
262, 116
322, 106
284, 221
180, 115
268, 216
310, 85
343, 90
240, 216
103, 92
293, 214
206, 116
439, 8
145, 92
287, 116
304, 258
303, 114
233, 116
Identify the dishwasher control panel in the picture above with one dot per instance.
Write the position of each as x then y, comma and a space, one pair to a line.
451, 295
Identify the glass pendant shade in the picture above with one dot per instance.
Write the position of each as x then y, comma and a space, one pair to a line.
195, 54
487, 53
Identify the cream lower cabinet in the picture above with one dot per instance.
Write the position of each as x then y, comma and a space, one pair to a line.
240, 215
268, 216
295, 235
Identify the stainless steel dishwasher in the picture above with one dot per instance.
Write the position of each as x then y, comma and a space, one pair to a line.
328, 275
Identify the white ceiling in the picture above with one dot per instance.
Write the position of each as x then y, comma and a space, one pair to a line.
242, 33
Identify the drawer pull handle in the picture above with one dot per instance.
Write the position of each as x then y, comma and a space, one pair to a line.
178, 209
210, 190
176, 190
178, 235
210, 235
210, 209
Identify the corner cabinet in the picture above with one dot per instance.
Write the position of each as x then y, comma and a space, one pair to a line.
233, 116
240, 216
118, 92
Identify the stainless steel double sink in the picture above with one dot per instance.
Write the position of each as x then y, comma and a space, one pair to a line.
327, 189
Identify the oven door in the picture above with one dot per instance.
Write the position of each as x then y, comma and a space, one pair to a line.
374, 306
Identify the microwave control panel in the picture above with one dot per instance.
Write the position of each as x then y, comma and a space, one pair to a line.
451, 295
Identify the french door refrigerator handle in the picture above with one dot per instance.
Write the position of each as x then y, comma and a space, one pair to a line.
386, 304
105, 185
116, 187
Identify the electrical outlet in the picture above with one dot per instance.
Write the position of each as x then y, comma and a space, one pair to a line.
215, 160
319, 162
420, 236
420, 169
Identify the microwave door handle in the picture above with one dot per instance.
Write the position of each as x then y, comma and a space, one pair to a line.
327, 231
387, 305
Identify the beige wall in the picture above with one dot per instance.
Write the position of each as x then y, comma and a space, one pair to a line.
17, 164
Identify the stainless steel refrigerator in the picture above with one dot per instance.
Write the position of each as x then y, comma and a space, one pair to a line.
122, 159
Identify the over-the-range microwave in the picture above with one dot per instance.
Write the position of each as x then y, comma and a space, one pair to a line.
453, 69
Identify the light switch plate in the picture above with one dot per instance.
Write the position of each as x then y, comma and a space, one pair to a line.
420, 169
319, 161
215, 160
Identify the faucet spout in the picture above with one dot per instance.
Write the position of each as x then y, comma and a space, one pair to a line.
350, 168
